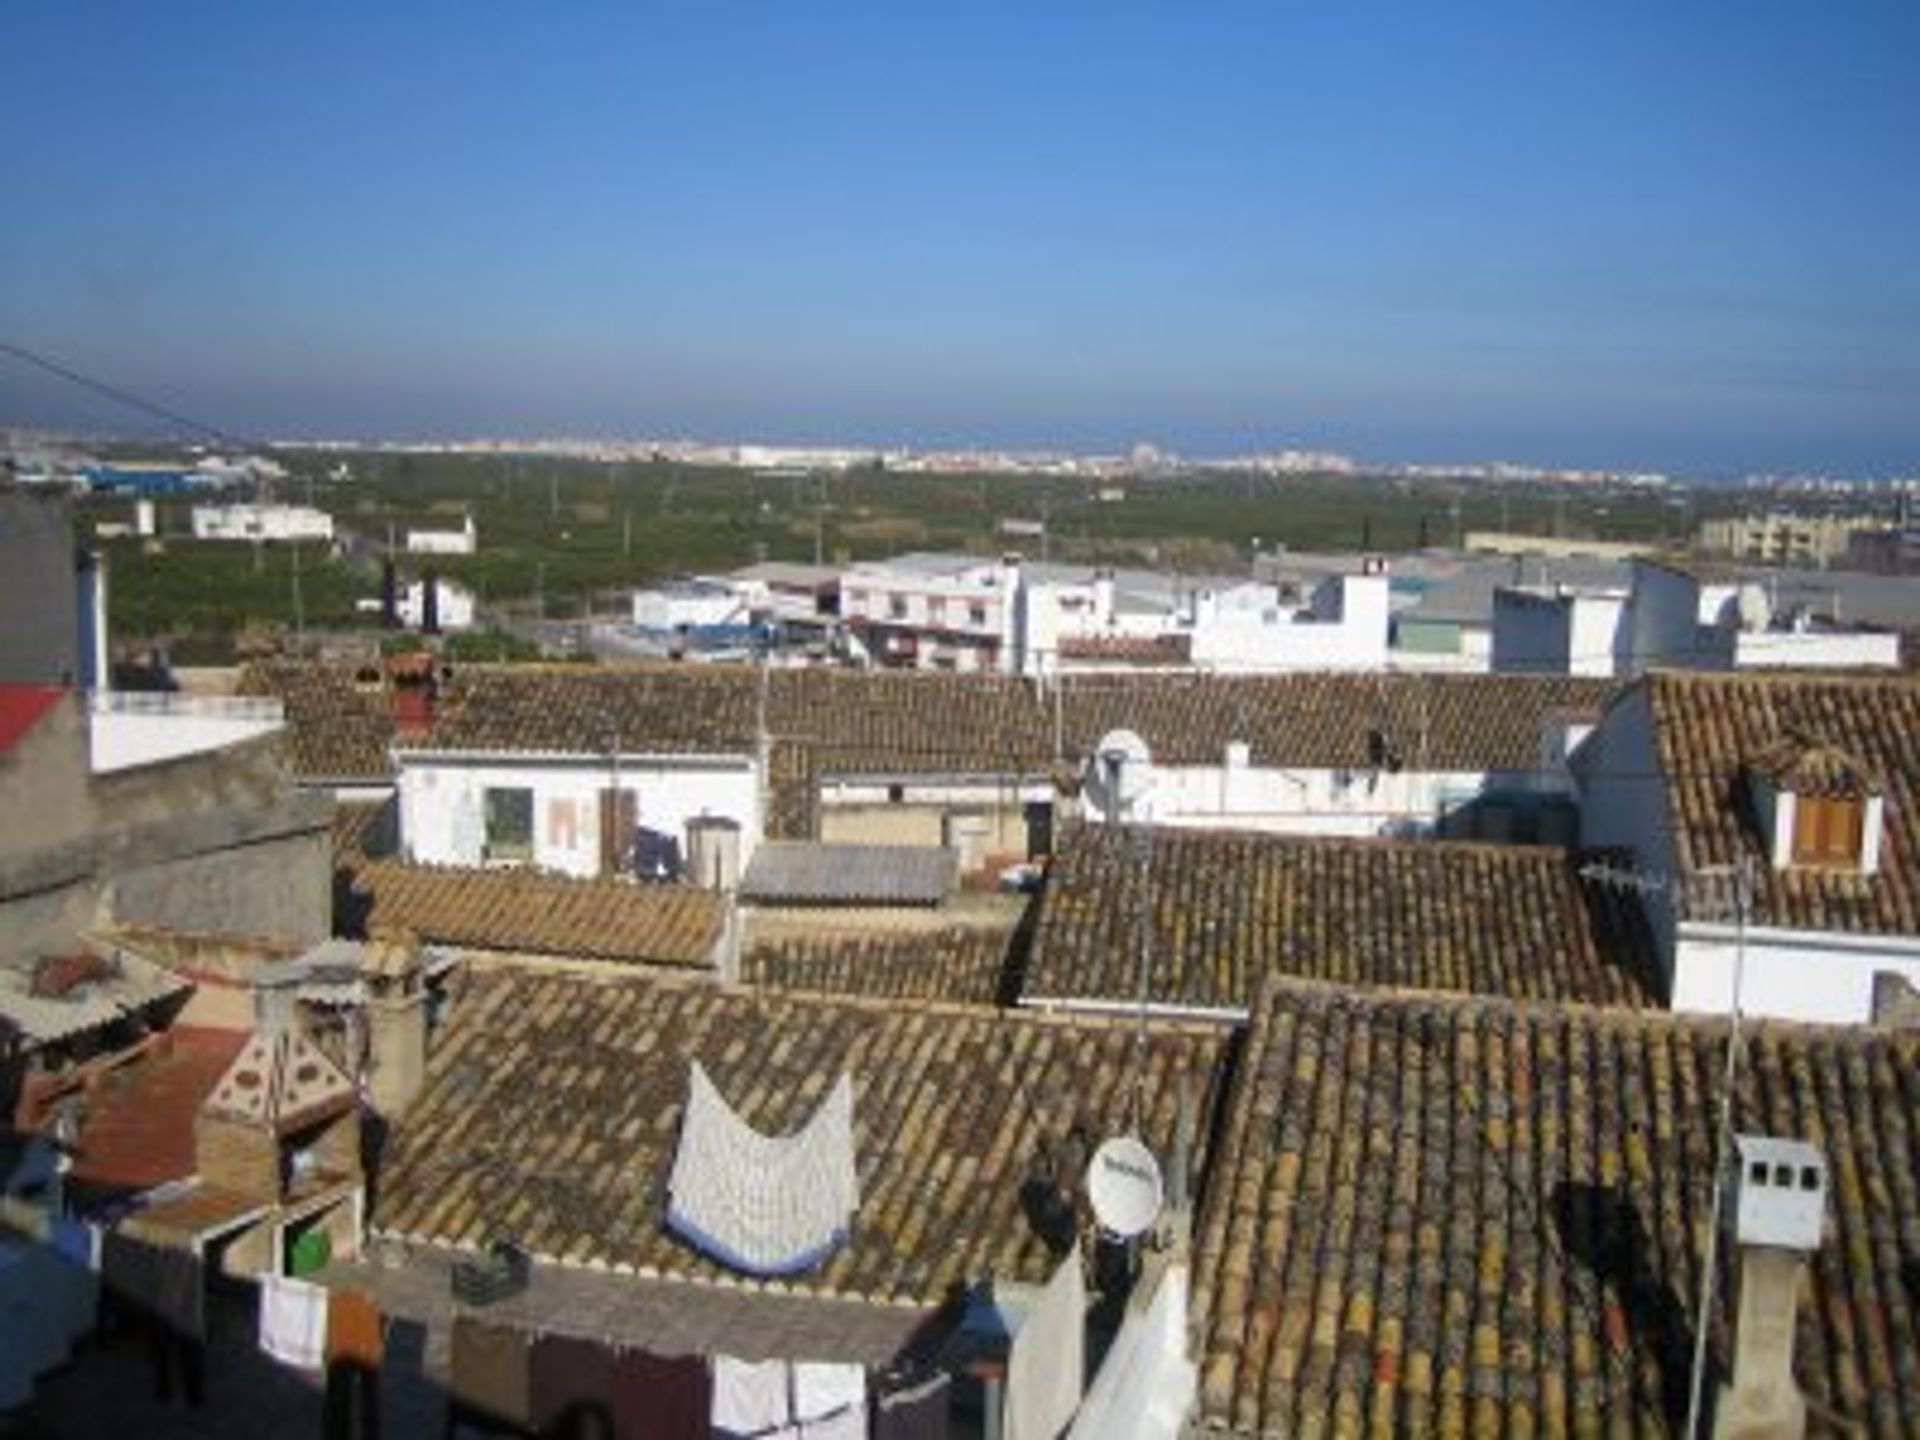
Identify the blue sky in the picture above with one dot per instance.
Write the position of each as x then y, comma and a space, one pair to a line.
1665, 234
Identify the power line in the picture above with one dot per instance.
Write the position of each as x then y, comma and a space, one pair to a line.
122, 396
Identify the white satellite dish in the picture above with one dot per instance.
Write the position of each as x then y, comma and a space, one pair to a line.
1124, 1186
1122, 771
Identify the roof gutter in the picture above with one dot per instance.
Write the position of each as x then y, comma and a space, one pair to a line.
1214, 1014
1851, 942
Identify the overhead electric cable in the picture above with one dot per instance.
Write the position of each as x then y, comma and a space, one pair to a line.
123, 396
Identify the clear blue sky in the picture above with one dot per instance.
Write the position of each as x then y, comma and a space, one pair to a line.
1673, 233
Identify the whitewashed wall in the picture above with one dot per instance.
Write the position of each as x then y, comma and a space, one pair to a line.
1306, 802
1788, 974
128, 729
442, 806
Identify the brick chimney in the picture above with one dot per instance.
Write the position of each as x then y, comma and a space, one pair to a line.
414, 686
1780, 1199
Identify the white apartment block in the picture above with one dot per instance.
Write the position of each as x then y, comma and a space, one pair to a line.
261, 522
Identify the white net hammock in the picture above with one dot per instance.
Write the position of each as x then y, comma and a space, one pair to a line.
761, 1204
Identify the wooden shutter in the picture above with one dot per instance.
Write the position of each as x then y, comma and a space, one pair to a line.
619, 811
1827, 831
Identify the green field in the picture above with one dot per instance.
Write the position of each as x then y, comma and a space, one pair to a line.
570, 537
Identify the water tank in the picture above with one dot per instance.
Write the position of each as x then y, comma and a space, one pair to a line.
713, 852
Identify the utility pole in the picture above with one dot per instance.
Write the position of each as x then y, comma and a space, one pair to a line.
299, 610
1722, 1143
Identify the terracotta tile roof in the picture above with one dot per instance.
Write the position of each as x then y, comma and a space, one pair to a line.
964, 964
136, 1128
534, 913
911, 723
1129, 649
1233, 907
1708, 728
1445, 1216
339, 725
363, 829
552, 1106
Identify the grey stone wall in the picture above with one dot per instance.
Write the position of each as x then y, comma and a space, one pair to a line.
39, 628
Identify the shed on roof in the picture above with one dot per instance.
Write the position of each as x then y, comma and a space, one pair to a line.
801, 872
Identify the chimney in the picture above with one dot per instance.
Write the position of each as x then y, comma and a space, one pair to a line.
274, 1006
1103, 596
1780, 1196
1896, 1004
414, 692
392, 972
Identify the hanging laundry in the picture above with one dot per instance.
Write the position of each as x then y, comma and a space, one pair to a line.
662, 1397
765, 1205
571, 1386
842, 1425
353, 1329
913, 1408
490, 1373
749, 1398
1047, 1365
293, 1321
821, 1389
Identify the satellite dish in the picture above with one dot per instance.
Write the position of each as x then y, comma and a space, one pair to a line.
1122, 767
1124, 1186
1755, 613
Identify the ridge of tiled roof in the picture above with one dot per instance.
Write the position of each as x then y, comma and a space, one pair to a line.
919, 723
1450, 1213
1231, 908
1709, 728
960, 963
531, 912
552, 1105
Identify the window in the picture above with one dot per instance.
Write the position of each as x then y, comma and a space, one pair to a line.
1827, 830
897, 606
1757, 1172
509, 814
976, 614
1783, 1176
1809, 1178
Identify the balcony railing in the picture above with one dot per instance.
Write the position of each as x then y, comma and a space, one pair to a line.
259, 708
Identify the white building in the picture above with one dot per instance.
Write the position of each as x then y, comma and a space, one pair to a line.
1670, 618
696, 604
963, 613
1799, 791
464, 541
580, 815
1559, 631
937, 612
261, 522
453, 604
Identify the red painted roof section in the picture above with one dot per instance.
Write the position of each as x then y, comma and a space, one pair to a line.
138, 1129
21, 707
